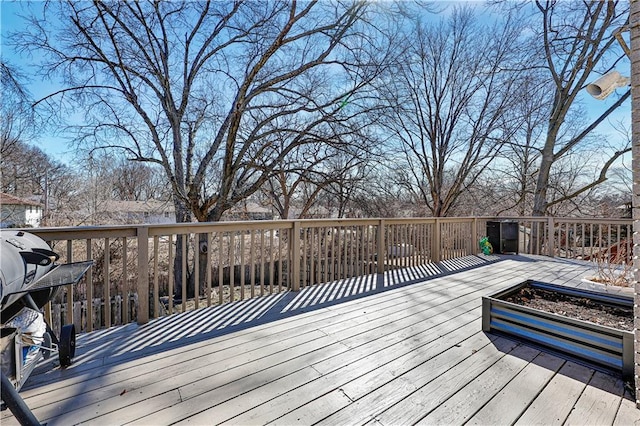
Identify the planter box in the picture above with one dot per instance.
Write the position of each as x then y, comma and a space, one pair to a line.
593, 343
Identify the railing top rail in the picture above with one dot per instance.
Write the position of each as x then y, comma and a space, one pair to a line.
119, 231
561, 219
594, 221
319, 223
204, 227
83, 232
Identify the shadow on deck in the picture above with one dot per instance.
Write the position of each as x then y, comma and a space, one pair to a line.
199, 325
348, 352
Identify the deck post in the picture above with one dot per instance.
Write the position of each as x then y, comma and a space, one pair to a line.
380, 255
143, 274
550, 237
295, 256
474, 236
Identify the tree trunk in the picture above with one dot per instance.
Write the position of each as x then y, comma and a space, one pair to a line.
547, 159
634, 19
182, 215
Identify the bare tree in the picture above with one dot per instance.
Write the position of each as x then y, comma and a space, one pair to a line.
577, 38
451, 97
381, 195
16, 127
348, 175
205, 89
16, 115
138, 182
298, 182
315, 171
514, 172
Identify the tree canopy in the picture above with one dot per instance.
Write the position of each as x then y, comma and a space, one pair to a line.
331, 101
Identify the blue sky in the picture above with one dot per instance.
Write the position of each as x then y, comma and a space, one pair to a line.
59, 148
54, 146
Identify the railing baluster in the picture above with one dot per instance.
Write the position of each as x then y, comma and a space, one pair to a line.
271, 262
600, 247
310, 252
364, 243
142, 309
209, 277
351, 251
232, 266
381, 253
295, 256
392, 256
89, 283
279, 260
171, 271
262, 261
183, 238
575, 243
242, 265
220, 236
156, 286
359, 235
339, 252
125, 283
402, 237
591, 240
398, 242
252, 262
324, 253
196, 270
107, 284
423, 254
629, 241
582, 241
345, 253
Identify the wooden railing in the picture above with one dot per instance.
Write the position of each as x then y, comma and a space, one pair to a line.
135, 266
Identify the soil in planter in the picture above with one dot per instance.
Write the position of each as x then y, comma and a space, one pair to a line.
584, 309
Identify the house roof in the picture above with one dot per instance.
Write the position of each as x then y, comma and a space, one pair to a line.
10, 200
156, 206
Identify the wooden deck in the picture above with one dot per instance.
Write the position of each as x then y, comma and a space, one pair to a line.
403, 349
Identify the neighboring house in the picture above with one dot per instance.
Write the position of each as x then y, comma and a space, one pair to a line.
132, 212
17, 212
249, 210
315, 212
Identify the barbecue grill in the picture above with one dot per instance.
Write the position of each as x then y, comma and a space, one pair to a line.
29, 279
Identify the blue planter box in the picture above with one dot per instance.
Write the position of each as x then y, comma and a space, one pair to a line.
596, 344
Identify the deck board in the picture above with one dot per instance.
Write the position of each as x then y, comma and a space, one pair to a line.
599, 402
507, 405
627, 413
468, 400
548, 408
401, 348
350, 379
418, 393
